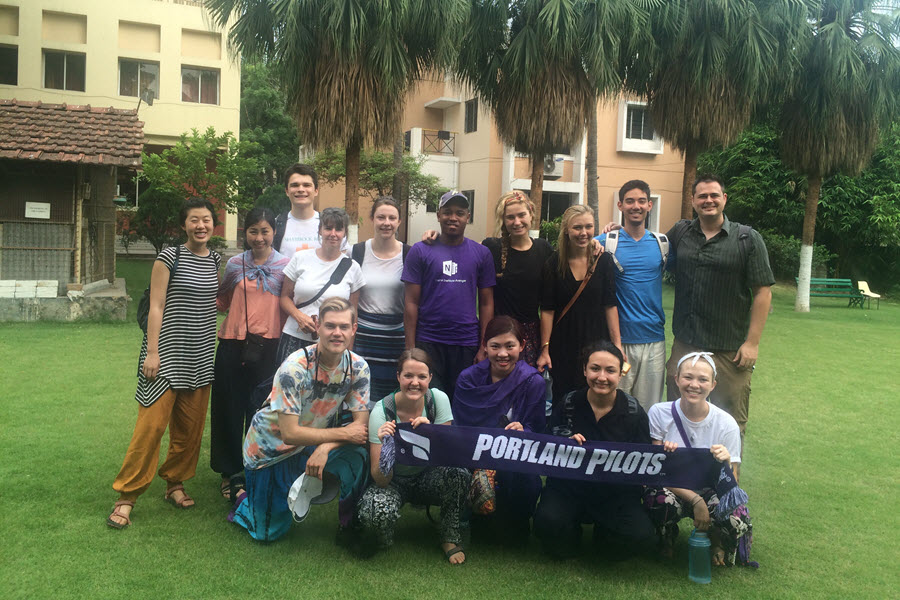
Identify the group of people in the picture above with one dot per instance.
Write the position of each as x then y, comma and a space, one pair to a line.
345, 342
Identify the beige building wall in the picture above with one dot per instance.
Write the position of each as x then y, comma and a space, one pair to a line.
170, 34
481, 163
663, 171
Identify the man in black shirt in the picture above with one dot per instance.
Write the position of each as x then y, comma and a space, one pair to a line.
604, 414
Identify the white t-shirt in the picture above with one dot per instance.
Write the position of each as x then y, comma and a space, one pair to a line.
309, 273
302, 234
717, 428
383, 292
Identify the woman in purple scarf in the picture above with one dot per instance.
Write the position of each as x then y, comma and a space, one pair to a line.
504, 392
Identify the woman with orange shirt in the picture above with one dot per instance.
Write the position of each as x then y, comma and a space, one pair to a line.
250, 292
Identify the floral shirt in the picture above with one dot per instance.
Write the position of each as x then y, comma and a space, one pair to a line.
304, 388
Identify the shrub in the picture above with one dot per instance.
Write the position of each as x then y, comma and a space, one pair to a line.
784, 256
217, 242
550, 230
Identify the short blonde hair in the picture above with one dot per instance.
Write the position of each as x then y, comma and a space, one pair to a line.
336, 304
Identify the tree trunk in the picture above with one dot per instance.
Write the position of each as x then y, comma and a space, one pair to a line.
593, 196
351, 189
537, 186
806, 248
690, 174
398, 189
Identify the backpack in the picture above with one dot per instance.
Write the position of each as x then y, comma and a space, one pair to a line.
389, 406
566, 429
612, 242
358, 252
143, 307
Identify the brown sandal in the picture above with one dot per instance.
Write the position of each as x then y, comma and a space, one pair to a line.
183, 503
116, 513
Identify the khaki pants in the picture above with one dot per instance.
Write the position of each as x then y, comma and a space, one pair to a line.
732, 393
648, 373
184, 413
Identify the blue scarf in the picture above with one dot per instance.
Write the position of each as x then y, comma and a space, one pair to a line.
268, 276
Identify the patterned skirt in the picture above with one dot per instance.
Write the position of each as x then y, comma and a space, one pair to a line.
381, 347
735, 530
532, 350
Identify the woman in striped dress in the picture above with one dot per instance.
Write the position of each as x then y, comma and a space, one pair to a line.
379, 338
175, 368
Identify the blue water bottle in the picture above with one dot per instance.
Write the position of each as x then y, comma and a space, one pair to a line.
700, 559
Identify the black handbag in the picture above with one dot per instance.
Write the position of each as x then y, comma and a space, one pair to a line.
254, 345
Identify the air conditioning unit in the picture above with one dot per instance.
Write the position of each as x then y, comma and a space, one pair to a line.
553, 167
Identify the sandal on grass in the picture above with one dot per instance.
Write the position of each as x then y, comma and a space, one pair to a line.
232, 487
185, 502
457, 549
116, 513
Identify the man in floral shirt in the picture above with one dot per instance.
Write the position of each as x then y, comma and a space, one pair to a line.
298, 430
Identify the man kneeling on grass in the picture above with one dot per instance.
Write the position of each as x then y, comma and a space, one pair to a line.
298, 429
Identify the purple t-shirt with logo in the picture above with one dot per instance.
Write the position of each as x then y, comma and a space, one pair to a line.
450, 277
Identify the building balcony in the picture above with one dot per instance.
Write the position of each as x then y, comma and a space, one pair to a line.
432, 141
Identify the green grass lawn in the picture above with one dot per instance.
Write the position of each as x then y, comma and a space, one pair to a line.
821, 468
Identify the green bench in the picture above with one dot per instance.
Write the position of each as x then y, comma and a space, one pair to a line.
835, 288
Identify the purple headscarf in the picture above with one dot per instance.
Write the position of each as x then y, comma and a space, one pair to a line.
480, 403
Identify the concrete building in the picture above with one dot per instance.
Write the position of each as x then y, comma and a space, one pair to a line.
455, 132
124, 54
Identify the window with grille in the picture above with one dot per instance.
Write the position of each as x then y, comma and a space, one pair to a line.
471, 116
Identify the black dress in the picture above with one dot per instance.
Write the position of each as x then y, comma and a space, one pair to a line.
584, 323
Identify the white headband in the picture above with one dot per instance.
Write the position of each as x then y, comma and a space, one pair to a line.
707, 356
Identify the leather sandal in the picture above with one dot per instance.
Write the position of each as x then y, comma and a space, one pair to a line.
183, 503
116, 513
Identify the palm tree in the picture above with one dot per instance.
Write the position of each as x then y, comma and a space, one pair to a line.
541, 64
592, 194
847, 92
709, 65
346, 67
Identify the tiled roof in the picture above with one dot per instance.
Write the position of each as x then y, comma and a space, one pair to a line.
70, 133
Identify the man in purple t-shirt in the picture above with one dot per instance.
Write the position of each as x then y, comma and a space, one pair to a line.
441, 315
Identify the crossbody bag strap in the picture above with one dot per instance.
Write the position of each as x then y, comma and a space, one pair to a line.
336, 277
580, 289
246, 308
677, 419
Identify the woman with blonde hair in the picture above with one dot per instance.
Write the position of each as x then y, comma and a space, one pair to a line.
518, 260
578, 301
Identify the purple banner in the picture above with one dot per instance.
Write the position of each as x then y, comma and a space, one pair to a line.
540, 454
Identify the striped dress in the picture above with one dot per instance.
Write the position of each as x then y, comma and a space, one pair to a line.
379, 336
187, 339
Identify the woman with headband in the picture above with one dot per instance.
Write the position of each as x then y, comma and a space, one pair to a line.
693, 422
519, 260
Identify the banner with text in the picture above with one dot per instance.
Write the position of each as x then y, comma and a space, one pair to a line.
540, 454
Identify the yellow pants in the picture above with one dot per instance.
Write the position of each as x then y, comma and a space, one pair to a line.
184, 413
